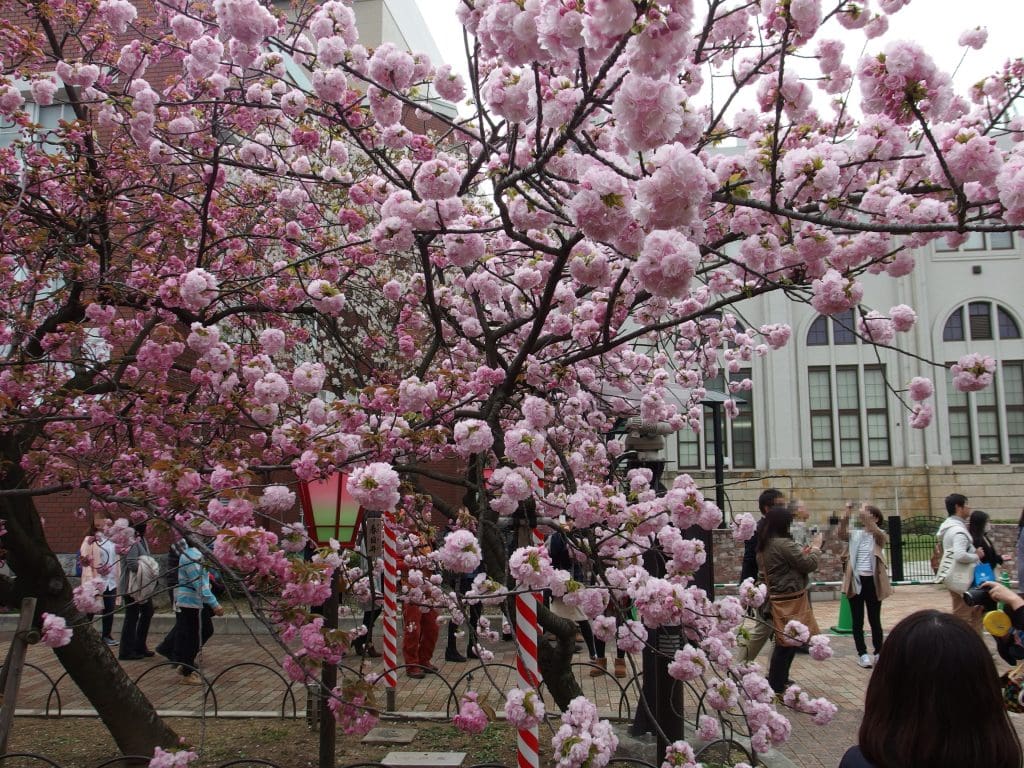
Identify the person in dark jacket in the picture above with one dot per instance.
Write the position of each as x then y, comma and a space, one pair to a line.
137, 613
934, 701
759, 632
785, 566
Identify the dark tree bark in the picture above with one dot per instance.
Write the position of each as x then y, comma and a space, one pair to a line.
555, 650
124, 710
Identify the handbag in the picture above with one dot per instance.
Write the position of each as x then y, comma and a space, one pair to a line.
787, 607
983, 572
955, 576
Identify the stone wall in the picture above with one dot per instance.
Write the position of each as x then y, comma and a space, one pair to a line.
906, 491
728, 554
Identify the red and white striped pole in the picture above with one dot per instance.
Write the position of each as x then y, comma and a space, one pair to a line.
390, 584
528, 739
527, 633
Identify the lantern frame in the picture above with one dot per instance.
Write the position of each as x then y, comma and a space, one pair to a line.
330, 498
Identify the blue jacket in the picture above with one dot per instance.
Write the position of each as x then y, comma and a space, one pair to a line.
193, 590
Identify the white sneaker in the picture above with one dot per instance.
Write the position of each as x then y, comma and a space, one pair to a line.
865, 661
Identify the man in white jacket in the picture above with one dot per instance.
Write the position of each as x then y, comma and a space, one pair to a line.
956, 538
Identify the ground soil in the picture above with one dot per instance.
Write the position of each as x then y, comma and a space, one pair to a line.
82, 742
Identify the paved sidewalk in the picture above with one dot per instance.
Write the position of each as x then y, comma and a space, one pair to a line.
232, 663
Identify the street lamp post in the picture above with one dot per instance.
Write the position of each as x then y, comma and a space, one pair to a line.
329, 512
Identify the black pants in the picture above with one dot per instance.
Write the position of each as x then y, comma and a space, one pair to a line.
107, 619
868, 598
601, 645
369, 619
475, 612
192, 628
779, 666
135, 628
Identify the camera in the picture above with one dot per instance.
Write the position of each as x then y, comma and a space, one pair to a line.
976, 596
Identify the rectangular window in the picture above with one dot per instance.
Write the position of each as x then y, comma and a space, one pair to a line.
975, 242
848, 402
980, 315
989, 449
697, 451
856, 423
1013, 389
959, 423
877, 411
1000, 241
689, 447
820, 392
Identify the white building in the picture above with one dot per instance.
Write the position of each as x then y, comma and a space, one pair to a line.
825, 419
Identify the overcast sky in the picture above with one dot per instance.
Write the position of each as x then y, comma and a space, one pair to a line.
935, 24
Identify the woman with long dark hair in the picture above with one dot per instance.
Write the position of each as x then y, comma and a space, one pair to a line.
934, 701
785, 566
977, 526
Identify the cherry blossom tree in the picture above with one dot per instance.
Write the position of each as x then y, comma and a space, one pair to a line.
253, 245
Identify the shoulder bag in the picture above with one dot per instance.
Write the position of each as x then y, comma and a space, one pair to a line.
787, 607
955, 576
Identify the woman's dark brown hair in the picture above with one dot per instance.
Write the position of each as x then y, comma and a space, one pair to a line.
776, 525
934, 700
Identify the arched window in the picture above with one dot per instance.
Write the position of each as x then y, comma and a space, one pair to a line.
986, 427
839, 329
979, 325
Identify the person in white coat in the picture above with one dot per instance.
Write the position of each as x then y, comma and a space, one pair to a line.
956, 537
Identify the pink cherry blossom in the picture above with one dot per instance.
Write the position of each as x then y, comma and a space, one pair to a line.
375, 487
470, 718
472, 436
973, 38
460, 552
523, 710
172, 758
56, 633
973, 372
922, 416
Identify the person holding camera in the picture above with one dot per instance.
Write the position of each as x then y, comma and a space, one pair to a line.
865, 579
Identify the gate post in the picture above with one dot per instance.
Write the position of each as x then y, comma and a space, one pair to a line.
896, 547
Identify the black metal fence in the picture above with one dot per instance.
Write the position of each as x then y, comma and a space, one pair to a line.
911, 543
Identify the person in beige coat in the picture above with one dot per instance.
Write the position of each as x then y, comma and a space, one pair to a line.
99, 560
866, 578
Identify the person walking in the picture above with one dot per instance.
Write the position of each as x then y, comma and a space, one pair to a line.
99, 559
977, 526
956, 538
785, 566
137, 613
192, 593
759, 630
866, 579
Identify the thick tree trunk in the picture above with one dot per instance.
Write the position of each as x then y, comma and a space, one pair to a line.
124, 710
554, 655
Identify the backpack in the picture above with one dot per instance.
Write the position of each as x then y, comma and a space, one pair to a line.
142, 584
936, 555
